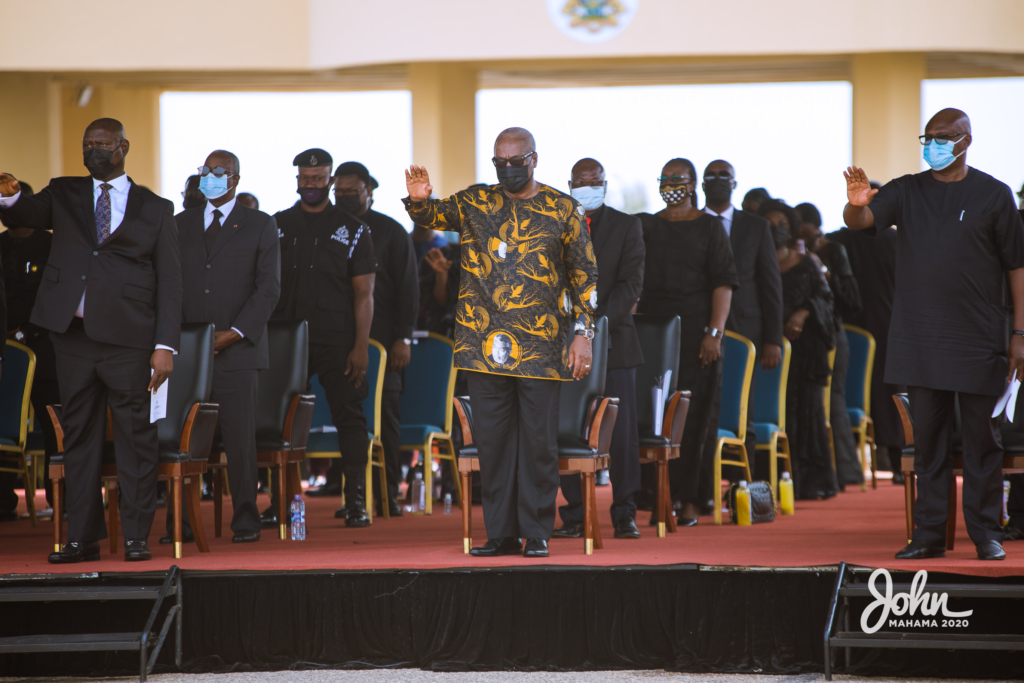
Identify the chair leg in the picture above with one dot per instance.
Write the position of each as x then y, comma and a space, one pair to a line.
455, 473
369, 484
176, 511
773, 472
428, 474
587, 481
58, 515
659, 498
114, 516
874, 462
666, 484
595, 531
218, 500
717, 484
282, 499
908, 503
193, 496
951, 516
294, 480
467, 512
385, 502
28, 474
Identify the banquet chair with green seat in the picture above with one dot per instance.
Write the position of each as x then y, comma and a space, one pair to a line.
323, 436
659, 342
858, 396
737, 373
19, 369
425, 405
769, 415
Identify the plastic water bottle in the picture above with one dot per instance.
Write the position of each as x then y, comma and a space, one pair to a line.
743, 505
786, 495
1005, 517
419, 495
298, 510
447, 503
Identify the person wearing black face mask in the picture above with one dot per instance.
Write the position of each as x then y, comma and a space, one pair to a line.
111, 298
328, 268
396, 294
756, 311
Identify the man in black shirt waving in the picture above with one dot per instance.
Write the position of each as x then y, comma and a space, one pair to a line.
328, 268
396, 302
961, 241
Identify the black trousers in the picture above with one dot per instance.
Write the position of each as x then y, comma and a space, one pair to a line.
346, 403
933, 463
236, 391
390, 419
624, 468
515, 427
692, 473
92, 375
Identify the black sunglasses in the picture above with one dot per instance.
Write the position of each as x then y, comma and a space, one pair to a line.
724, 175
218, 172
675, 178
502, 162
941, 138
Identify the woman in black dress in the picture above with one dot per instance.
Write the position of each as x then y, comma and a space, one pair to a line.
810, 326
689, 272
846, 294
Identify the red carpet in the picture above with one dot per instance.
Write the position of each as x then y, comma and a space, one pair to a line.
860, 528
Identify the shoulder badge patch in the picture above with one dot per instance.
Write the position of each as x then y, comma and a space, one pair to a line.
341, 235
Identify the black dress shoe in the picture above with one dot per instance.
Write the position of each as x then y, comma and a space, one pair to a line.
535, 547
898, 478
76, 552
498, 546
247, 537
137, 551
1012, 533
269, 517
168, 539
11, 516
686, 521
569, 530
627, 529
325, 491
991, 550
919, 550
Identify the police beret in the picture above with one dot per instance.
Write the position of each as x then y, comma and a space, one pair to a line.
357, 169
312, 158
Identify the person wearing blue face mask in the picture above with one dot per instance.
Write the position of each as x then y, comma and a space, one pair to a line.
618, 243
961, 241
231, 277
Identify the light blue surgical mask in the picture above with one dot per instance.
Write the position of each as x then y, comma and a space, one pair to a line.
940, 156
213, 187
589, 196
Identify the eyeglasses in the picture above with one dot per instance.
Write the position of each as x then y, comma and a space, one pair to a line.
218, 172
675, 179
724, 175
586, 183
942, 138
502, 162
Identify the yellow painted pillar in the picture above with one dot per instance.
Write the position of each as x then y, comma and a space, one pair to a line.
30, 121
138, 108
887, 113
444, 123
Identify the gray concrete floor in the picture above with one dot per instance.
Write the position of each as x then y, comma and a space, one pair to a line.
419, 676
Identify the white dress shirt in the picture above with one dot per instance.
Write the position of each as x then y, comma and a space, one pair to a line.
225, 211
118, 191
726, 217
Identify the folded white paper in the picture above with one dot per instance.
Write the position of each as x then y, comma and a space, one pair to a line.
1007, 403
659, 393
158, 402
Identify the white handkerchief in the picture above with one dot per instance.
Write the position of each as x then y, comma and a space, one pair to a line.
158, 402
1008, 401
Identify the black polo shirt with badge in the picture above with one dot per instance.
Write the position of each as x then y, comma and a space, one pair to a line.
320, 254
952, 307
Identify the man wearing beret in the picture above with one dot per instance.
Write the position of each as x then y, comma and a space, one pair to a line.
328, 267
396, 302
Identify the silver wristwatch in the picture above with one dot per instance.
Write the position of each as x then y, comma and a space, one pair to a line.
589, 334
717, 334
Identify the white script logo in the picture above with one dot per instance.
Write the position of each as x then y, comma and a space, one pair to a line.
905, 603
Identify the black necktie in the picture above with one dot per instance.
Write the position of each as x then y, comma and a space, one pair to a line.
211, 232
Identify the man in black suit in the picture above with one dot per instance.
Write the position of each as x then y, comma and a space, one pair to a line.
756, 311
111, 298
231, 272
619, 248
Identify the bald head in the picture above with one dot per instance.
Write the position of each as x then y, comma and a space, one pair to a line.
520, 137
111, 126
588, 166
950, 120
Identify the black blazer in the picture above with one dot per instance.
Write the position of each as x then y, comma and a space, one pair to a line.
133, 278
619, 249
236, 285
756, 310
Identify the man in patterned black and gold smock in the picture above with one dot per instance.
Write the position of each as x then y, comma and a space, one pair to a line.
523, 324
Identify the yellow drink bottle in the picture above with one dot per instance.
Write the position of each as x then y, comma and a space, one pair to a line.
743, 505
786, 495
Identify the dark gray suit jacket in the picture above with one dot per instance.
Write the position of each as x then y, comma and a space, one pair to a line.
619, 249
756, 310
236, 285
133, 278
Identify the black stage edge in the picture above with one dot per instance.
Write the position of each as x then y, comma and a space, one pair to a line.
680, 618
